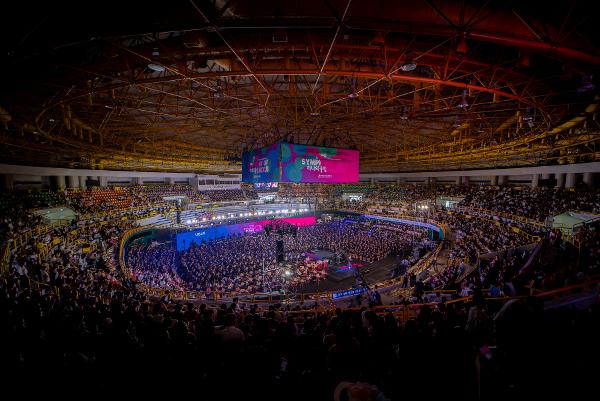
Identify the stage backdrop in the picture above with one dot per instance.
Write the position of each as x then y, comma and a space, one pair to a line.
286, 162
184, 240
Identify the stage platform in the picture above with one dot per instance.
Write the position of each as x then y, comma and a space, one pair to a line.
341, 277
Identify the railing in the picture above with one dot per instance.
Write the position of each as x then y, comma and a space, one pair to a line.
122, 242
594, 281
115, 212
34, 284
410, 309
5, 259
20, 240
529, 237
71, 237
505, 215
404, 312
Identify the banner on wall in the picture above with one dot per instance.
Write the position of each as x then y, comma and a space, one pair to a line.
184, 240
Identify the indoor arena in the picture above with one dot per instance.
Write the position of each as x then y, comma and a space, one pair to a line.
324, 200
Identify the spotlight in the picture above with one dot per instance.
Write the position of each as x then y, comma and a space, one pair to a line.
410, 65
524, 61
218, 94
156, 67
457, 123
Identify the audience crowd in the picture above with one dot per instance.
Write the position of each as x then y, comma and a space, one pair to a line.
155, 265
73, 323
224, 195
247, 264
537, 203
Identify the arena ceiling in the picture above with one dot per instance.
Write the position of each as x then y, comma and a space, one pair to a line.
188, 85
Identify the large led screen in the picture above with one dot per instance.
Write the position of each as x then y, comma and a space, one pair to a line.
287, 162
304, 163
261, 165
184, 240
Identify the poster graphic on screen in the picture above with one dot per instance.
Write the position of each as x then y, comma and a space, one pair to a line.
305, 163
261, 165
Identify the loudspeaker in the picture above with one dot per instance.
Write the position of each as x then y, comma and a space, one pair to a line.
279, 250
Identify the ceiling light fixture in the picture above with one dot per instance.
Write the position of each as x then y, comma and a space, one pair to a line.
404, 115
354, 93
378, 39
410, 65
462, 44
156, 67
463, 101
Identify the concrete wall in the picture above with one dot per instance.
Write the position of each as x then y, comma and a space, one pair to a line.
517, 171
583, 172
